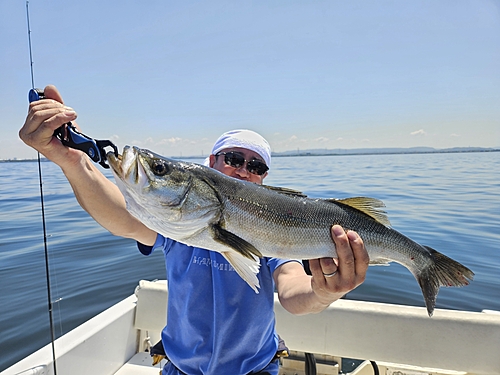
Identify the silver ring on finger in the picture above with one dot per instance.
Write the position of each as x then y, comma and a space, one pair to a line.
330, 274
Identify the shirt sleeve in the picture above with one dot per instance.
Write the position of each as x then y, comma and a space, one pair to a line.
147, 250
274, 263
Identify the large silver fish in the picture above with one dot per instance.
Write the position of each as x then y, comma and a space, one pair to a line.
202, 207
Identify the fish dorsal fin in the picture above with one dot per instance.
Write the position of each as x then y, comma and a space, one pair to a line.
369, 206
286, 191
235, 242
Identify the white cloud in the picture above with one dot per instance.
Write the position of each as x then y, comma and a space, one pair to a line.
420, 132
149, 141
171, 141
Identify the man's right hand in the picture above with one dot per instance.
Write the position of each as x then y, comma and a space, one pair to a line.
95, 193
43, 118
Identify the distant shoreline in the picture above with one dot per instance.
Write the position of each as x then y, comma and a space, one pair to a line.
409, 152
336, 152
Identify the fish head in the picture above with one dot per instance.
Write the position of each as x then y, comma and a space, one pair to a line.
165, 194
143, 173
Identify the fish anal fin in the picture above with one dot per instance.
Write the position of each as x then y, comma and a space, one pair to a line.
380, 262
235, 242
369, 206
245, 267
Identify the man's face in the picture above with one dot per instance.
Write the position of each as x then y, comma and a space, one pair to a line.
240, 173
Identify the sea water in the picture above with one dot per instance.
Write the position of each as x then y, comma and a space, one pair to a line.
450, 202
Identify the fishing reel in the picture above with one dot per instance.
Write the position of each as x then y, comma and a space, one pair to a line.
71, 137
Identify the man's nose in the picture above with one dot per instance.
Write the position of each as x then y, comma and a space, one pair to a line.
242, 171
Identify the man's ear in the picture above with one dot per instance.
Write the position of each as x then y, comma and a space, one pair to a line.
211, 161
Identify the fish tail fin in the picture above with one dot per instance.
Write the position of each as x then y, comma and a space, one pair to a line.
444, 271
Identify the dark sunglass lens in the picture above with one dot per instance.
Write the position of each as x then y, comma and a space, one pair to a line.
237, 160
234, 160
257, 167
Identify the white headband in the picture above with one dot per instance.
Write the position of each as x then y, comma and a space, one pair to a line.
245, 139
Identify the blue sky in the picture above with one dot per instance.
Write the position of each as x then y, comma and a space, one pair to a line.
173, 75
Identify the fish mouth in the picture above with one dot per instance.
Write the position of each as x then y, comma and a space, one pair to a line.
127, 166
120, 164
114, 161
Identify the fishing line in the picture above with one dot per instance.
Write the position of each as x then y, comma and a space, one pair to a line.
47, 272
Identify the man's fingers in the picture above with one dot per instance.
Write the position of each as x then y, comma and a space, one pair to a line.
359, 252
49, 116
328, 266
315, 268
51, 92
43, 118
353, 258
344, 252
334, 276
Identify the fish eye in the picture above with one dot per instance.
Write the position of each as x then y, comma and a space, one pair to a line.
159, 167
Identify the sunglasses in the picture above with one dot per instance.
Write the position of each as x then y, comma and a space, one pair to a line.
237, 160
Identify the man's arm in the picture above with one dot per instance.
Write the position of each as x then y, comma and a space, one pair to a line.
301, 294
96, 194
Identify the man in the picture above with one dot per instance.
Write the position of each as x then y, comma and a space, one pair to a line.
216, 323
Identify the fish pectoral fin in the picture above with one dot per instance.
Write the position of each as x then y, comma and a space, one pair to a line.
243, 257
369, 206
286, 191
245, 267
236, 243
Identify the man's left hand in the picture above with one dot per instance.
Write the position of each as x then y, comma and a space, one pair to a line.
334, 276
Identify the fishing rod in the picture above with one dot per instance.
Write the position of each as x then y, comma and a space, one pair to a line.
70, 137
46, 251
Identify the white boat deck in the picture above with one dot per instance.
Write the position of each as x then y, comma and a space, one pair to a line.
140, 364
401, 339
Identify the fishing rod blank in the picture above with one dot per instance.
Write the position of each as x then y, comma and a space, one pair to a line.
35, 95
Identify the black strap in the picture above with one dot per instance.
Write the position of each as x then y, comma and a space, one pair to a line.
282, 351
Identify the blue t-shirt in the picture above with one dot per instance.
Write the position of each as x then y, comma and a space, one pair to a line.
215, 322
